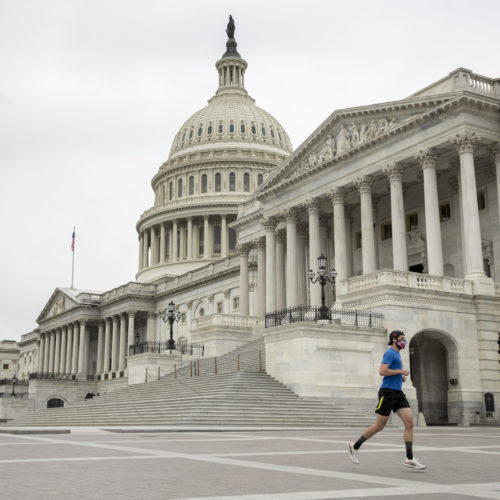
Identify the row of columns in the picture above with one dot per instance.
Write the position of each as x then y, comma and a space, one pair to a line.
270, 254
65, 350
178, 240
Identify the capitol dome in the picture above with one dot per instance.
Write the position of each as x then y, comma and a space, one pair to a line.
219, 156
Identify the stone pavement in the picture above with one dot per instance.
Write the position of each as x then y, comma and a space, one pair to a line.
245, 464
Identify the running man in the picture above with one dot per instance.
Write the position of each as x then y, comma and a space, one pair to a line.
391, 398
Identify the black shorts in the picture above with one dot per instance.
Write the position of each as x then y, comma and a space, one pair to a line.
390, 400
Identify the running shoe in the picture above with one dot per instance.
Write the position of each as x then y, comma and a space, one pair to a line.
413, 464
353, 454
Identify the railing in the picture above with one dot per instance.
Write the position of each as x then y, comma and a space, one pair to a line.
348, 317
51, 376
159, 346
227, 320
405, 279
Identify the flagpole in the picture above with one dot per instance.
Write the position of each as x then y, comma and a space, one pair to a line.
73, 259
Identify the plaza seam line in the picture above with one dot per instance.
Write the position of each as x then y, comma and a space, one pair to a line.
467, 489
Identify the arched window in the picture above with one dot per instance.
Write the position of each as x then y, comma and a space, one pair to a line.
232, 239
263, 130
201, 241
242, 128
200, 130
246, 182
217, 182
217, 239
260, 179
191, 134
232, 181
55, 403
209, 130
204, 183
254, 130
231, 128
179, 189
191, 185
171, 191
220, 128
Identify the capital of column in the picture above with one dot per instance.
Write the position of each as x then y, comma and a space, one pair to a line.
427, 158
465, 141
243, 248
269, 223
131, 313
337, 195
394, 171
280, 235
364, 184
312, 205
289, 214
495, 152
302, 229
259, 242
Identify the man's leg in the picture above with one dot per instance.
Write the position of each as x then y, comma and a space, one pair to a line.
406, 416
353, 448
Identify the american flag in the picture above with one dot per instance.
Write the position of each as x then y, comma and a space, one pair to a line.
73, 241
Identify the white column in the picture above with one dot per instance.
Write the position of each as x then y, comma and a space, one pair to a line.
69, 349
301, 265
62, 362
81, 349
175, 255
76, 339
189, 255
107, 345
100, 348
270, 225
205, 237
114, 345
394, 172
182, 239
314, 249
145, 254
131, 327
170, 243
261, 277
348, 233
244, 303
123, 342
291, 258
364, 185
153, 246
427, 160
474, 254
280, 239
46, 352
150, 327
57, 354
52, 351
87, 354
339, 233
163, 249
496, 154
141, 251
41, 353
223, 238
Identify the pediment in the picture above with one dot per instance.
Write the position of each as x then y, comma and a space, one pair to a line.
348, 131
59, 302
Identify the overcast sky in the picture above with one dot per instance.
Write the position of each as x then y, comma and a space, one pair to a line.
92, 93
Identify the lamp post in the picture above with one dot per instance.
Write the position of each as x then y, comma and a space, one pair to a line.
170, 316
14, 382
323, 279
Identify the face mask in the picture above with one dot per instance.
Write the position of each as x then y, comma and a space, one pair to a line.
401, 344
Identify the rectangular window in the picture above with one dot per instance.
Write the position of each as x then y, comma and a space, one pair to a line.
445, 211
481, 199
220, 307
5, 367
386, 231
411, 221
236, 303
358, 243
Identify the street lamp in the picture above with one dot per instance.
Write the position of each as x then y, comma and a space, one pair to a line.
14, 382
323, 279
170, 316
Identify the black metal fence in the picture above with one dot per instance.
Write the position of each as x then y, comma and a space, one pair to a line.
348, 317
159, 346
50, 375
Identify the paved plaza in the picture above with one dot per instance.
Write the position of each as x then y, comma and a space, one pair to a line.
246, 464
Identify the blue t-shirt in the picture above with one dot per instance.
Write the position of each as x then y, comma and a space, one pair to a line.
392, 359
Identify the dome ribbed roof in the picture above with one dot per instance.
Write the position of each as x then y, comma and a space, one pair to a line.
231, 118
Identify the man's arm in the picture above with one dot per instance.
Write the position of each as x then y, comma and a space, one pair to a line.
386, 371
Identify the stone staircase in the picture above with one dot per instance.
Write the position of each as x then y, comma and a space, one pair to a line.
198, 396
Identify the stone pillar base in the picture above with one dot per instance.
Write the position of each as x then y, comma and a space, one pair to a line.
481, 284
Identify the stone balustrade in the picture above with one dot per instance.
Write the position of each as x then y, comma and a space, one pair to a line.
227, 320
405, 279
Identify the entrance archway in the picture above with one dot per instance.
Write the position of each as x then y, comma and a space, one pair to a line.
55, 403
433, 370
